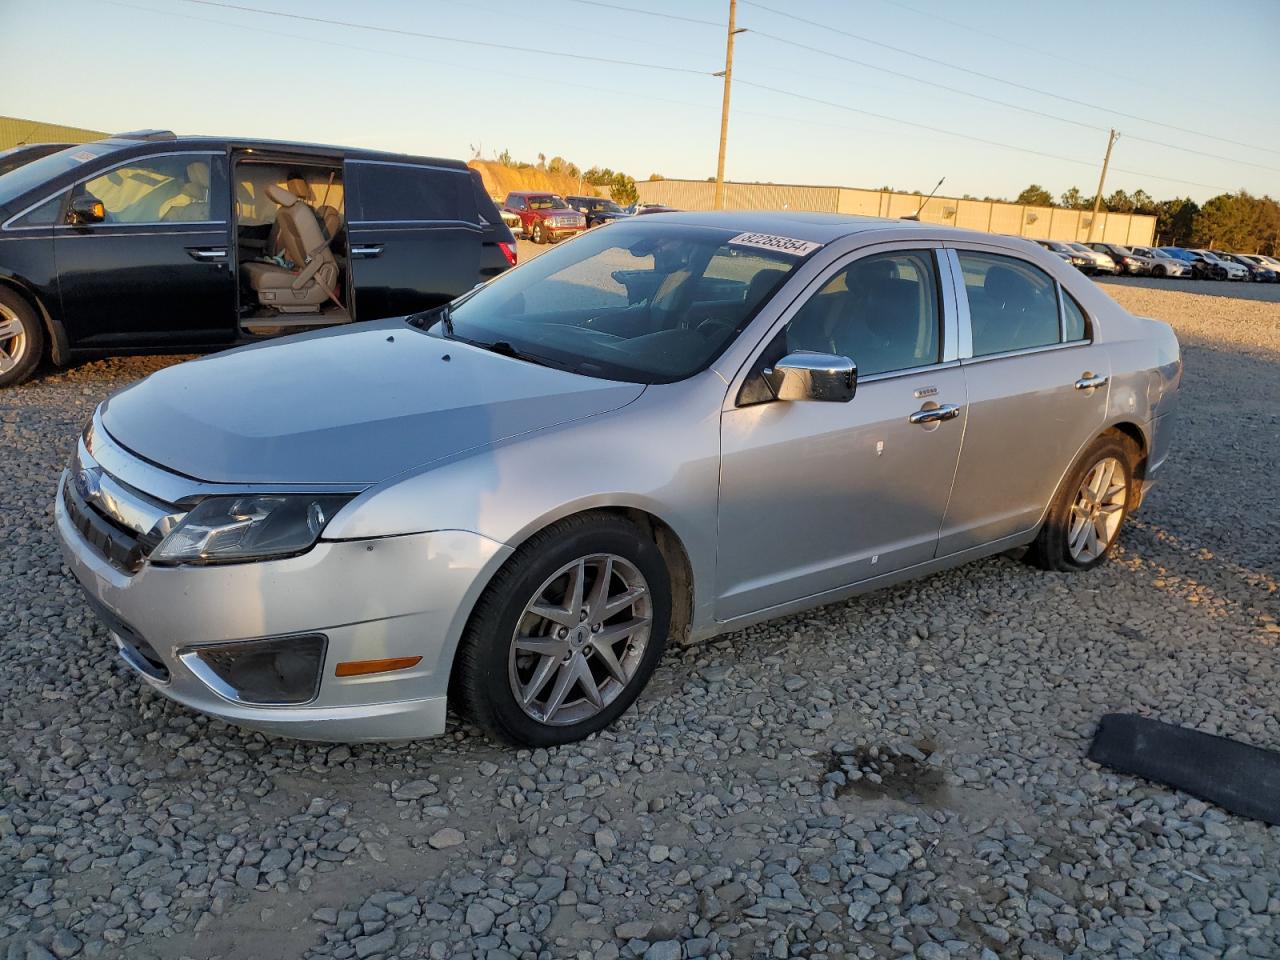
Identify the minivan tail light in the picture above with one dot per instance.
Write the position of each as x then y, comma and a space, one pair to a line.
508, 251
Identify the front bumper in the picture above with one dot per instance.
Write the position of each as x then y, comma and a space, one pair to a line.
371, 599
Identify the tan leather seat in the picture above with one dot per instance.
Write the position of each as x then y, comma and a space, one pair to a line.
315, 277
196, 192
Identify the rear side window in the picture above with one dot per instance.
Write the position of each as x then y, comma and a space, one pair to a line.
404, 192
880, 311
1013, 305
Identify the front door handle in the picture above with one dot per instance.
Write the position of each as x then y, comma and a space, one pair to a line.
208, 254
947, 411
1088, 381
366, 250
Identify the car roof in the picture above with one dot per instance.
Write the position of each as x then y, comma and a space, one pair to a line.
283, 146
533, 193
815, 227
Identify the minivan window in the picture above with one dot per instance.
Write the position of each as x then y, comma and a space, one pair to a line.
154, 190
28, 177
880, 311
401, 191
644, 304
1013, 304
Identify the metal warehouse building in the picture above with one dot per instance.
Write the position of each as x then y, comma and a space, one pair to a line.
1045, 223
15, 131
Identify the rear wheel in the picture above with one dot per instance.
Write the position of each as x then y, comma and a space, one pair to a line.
567, 634
1085, 516
21, 338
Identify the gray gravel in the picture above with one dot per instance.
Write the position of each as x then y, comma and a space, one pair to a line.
900, 775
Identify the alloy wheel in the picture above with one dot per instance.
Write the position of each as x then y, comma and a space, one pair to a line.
580, 639
1097, 511
13, 339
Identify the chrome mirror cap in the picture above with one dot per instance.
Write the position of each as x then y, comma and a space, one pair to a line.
813, 376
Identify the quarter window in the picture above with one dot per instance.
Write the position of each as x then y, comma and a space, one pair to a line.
154, 190
1013, 305
881, 312
1075, 326
44, 215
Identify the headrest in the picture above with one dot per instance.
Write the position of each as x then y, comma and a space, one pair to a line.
280, 195
762, 283
299, 188
198, 173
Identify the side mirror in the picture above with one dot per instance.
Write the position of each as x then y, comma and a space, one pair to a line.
86, 210
813, 376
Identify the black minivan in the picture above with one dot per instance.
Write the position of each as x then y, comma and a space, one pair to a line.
149, 243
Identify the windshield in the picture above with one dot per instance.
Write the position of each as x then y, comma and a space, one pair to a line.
547, 203
31, 175
1081, 248
647, 304
607, 206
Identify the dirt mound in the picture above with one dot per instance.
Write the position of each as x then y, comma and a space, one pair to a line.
500, 180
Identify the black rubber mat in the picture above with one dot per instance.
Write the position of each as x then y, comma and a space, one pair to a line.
1239, 778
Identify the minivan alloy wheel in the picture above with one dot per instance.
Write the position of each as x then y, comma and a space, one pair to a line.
1098, 510
13, 339
580, 640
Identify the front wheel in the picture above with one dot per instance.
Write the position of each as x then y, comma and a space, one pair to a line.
1158, 271
567, 634
21, 339
1085, 517
538, 235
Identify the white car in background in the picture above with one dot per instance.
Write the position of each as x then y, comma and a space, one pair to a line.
1163, 265
1102, 262
1227, 269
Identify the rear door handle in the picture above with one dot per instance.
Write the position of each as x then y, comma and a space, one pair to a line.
947, 411
208, 254
367, 250
1088, 381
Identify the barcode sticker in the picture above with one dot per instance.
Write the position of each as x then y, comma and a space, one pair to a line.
768, 241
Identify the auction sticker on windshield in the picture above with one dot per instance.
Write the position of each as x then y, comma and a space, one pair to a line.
767, 241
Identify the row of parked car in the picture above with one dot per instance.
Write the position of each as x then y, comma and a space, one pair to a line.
1196, 264
547, 217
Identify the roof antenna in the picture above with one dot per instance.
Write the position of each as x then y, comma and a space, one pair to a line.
916, 215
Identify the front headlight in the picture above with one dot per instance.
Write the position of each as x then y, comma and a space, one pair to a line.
254, 527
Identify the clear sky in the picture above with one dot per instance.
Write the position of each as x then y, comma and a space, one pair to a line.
197, 68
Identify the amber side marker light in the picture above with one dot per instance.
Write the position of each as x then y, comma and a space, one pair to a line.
358, 668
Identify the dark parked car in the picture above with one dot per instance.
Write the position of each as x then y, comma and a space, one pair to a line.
1201, 269
1257, 271
597, 210
1126, 260
546, 217
24, 153
147, 242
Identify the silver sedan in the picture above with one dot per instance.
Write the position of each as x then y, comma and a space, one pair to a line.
669, 428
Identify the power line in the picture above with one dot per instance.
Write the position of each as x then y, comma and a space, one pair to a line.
435, 36
966, 136
647, 13
996, 79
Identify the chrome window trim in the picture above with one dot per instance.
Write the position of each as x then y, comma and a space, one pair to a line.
1025, 351
103, 170
964, 346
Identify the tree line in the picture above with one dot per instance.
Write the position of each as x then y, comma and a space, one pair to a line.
1238, 221
621, 187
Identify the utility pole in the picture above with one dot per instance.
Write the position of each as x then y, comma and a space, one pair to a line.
727, 73
1097, 197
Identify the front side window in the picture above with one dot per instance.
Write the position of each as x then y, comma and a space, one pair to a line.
881, 312
154, 190
648, 304
1013, 305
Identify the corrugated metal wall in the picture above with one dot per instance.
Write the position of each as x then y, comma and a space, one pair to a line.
1052, 223
14, 130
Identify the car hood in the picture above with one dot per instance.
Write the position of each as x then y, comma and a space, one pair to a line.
345, 406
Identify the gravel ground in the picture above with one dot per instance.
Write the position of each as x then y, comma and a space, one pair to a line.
1237, 290
899, 775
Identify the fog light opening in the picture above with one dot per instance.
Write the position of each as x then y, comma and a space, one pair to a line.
279, 671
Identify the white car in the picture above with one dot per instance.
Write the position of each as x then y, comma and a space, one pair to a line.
1227, 269
1163, 265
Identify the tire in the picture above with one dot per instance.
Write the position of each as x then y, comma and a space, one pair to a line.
1158, 271
491, 671
1065, 542
538, 235
21, 338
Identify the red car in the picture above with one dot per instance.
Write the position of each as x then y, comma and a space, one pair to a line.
545, 217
